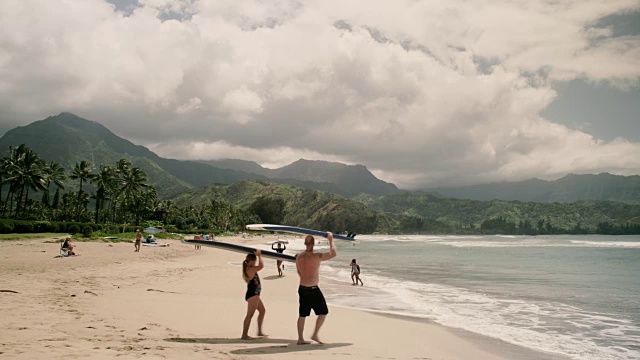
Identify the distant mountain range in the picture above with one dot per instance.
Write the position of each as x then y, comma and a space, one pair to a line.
351, 179
68, 139
405, 212
571, 188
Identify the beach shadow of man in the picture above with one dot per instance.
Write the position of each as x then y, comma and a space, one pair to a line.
283, 345
289, 348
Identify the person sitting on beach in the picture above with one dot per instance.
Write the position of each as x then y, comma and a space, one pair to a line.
138, 240
310, 296
150, 239
250, 267
279, 250
355, 273
68, 246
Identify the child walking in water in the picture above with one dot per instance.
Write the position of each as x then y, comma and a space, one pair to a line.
250, 267
355, 273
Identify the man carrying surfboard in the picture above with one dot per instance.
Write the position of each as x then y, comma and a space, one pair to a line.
310, 296
279, 250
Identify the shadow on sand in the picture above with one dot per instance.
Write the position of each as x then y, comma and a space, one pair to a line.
289, 348
259, 340
272, 277
284, 345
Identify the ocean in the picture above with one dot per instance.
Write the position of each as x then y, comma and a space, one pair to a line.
577, 296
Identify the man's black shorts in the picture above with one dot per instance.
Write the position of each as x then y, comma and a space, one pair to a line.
311, 298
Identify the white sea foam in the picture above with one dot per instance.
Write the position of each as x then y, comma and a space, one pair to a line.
537, 242
623, 244
548, 326
462, 241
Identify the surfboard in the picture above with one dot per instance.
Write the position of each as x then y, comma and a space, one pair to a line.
279, 242
240, 249
155, 244
297, 230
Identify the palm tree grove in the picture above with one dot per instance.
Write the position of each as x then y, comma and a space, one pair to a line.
96, 197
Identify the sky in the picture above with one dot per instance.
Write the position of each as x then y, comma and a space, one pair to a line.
423, 93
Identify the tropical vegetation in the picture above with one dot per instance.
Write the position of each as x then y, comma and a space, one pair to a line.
118, 197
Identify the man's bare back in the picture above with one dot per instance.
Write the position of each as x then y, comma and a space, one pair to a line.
308, 265
311, 298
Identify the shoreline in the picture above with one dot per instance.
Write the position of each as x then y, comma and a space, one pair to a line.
485, 342
176, 301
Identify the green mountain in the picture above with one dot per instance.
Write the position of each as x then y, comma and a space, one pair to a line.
472, 213
302, 206
422, 213
236, 164
353, 179
346, 180
571, 188
68, 139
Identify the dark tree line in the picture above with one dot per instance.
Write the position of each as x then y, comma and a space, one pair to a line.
120, 195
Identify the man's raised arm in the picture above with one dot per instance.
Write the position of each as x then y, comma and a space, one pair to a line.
332, 249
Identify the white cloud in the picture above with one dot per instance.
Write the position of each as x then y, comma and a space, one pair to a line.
192, 104
241, 104
422, 92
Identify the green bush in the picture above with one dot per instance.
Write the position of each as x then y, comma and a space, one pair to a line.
73, 229
6, 227
110, 229
53, 227
86, 231
23, 227
41, 226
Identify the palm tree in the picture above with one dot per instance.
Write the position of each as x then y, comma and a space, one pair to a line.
28, 173
5, 169
145, 203
122, 165
81, 171
55, 173
10, 169
133, 180
106, 181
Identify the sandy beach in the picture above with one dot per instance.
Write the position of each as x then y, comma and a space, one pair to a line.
177, 302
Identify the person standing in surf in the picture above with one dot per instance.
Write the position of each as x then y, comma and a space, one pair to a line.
250, 267
310, 296
355, 273
279, 250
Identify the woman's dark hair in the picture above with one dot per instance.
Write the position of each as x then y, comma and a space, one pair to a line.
245, 264
354, 260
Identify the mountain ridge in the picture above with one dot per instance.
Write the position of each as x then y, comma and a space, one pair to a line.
567, 189
67, 138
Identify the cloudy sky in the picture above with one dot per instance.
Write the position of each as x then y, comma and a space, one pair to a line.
423, 93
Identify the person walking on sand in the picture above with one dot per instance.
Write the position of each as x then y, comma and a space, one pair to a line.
279, 250
355, 273
310, 296
138, 241
250, 267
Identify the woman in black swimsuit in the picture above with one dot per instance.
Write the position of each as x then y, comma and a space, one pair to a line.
250, 267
